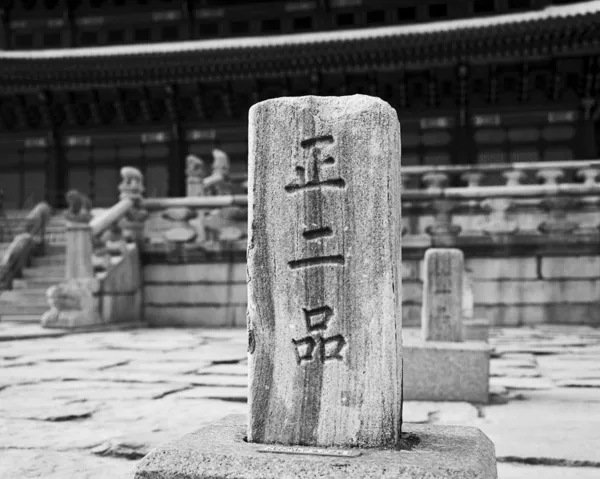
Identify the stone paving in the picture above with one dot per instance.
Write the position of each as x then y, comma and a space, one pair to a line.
90, 405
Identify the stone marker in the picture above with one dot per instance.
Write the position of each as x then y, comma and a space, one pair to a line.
324, 312
324, 285
441, 318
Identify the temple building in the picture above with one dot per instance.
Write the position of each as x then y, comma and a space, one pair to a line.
89, 86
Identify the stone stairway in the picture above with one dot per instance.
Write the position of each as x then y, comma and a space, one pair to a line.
27, 300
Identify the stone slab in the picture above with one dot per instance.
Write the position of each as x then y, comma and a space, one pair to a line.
446, 371
220, 451
30, 331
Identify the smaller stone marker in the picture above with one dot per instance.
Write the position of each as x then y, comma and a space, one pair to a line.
441, 367
324, 313
441, 318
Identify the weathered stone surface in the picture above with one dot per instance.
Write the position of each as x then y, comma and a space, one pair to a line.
125, 417
79, 246
570, 267
542, 292
520, 471
324, 279
476, 329
443, 295
24, 464
219, 451
502, 268
446, 371
563, 431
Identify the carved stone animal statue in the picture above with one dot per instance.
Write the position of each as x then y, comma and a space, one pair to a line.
79, 207
132, 184
195, 167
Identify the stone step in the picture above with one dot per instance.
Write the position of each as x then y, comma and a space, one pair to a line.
52, 260
40, 283
44, 272
24, 296
22, 318
12, 310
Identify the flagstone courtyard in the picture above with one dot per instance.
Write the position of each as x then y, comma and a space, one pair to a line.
90, 405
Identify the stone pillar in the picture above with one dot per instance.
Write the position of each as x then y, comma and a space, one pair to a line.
78, 236
79, 251
441, 318
195, 173
324, 279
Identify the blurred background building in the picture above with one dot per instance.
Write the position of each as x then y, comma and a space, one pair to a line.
88, 86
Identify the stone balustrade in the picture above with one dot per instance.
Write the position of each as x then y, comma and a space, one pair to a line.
29, 241
102, 273
520, 240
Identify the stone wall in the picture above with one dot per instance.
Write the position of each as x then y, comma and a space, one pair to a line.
508, 291
209, 294
522, 290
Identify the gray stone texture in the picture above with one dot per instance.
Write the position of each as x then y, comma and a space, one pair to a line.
446, 371
476, 329
47, 396
442, 311
324, 272
220, 451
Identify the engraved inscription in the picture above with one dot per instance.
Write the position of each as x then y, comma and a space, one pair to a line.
317, 318
309, 177
313, 451
317, 233
317, 346
337, 259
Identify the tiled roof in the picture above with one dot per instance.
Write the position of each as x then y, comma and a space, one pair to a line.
309, 39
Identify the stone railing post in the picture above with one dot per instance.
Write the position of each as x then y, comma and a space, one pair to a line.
442, 231
472, 178
550, 176
514, 177
132, 187
78, 237
196, 172
590, 177
435, 180
498, 222
557, 224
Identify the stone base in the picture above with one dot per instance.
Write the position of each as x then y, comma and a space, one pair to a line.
444, 371
219, 451
476, 330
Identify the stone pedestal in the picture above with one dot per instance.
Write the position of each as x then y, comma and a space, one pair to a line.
220, 451
446, 371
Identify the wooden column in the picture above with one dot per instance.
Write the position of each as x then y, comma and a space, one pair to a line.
56, 174
4, 29
463, 149
178, 148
